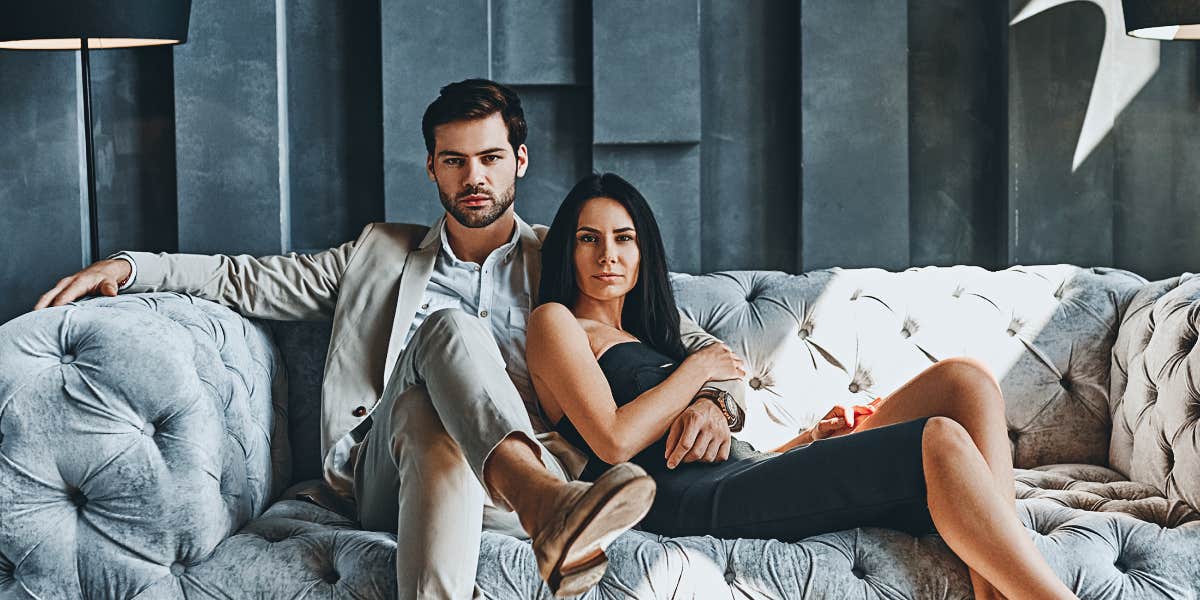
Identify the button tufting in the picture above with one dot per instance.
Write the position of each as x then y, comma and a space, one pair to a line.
755, 383
67, 359
359, 411
905, 333
1011, 331
332, 577
730, 576
1121, 566
853, 388
148, 429
858, 572
804, 333
272, 537
1065, 383
177, 568
1013, 434
77, 498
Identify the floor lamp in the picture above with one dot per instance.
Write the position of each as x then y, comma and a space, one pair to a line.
87, 25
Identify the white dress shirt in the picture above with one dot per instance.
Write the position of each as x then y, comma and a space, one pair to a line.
498, 293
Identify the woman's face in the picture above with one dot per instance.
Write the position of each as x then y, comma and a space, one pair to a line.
606, 250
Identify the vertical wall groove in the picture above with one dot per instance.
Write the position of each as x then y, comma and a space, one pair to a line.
281, 100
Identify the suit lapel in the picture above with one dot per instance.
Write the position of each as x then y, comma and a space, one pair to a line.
418, 268
531, 247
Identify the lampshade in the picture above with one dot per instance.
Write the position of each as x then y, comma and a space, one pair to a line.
60, 24
1163, 19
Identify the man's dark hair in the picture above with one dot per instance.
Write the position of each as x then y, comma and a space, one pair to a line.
473, 99
650, 313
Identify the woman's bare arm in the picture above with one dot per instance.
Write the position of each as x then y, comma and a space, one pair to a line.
566, 376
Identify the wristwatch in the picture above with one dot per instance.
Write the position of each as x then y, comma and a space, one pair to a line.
734, 416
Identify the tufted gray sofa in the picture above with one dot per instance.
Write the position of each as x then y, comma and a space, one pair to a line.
147, 441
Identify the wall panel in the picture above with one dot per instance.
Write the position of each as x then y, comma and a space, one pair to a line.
958, 141
334, 114
646, 71
854, 128
1056, 213
1157, 180
227, 122
541, 42
750, 189
42, 207
133, 108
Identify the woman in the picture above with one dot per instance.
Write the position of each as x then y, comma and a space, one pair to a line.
612, 376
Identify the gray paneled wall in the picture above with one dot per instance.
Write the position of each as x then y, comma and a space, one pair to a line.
854, 132
1056, 213
775, 134
42, 208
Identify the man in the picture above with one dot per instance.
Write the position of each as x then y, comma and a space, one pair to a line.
426, 401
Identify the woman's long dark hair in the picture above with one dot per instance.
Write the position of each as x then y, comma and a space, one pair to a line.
649, 313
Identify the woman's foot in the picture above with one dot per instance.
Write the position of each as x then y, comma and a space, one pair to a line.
570, 535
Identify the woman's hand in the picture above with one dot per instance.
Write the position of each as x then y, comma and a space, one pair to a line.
717, 362
841, 420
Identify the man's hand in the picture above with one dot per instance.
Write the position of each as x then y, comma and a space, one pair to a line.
101, 278
699, 433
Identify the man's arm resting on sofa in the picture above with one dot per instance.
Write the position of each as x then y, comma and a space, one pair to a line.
287, 287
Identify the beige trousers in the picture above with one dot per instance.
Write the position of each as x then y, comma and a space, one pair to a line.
448, 404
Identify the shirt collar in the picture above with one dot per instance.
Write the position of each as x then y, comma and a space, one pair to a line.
438, 232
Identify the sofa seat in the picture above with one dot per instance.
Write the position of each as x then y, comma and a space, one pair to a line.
1077, 515
1100, 489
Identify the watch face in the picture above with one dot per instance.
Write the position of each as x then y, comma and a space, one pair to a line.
730, 405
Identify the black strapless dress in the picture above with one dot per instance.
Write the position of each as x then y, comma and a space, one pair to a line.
872, 478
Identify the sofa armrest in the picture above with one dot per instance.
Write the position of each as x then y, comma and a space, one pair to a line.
1155, 396
136, 433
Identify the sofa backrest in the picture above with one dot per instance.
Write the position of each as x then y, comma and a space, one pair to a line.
820, 338
815, 340
1156, 389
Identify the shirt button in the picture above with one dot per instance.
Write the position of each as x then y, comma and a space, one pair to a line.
360, 411
483, 313
476, 269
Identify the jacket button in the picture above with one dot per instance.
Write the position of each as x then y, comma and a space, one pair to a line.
360, 411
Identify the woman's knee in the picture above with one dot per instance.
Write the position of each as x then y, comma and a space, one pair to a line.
970, 378
943, 437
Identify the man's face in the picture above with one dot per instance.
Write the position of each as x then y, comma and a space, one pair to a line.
476, 169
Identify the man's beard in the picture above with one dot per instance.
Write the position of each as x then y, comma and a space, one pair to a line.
482, 216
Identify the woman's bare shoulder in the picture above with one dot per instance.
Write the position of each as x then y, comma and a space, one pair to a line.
554, 325
552, 316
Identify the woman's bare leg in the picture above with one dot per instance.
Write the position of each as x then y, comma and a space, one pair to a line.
975, 520
966, 391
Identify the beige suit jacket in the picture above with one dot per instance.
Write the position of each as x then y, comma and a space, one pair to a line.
369, 287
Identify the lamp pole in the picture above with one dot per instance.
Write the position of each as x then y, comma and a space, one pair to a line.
90, 150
